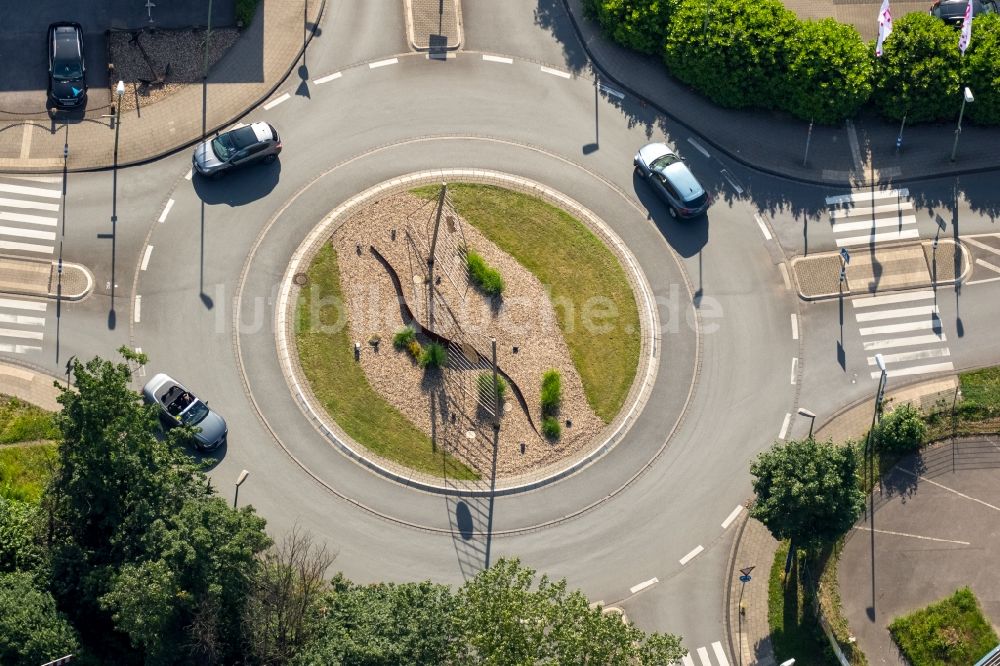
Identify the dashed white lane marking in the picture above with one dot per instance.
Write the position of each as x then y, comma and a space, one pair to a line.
643, 585
138, 308
784, 426
166, 211
911, 341
732, 516
23, 203
795, 366
383, 63
188, 175
703, 655
916, 370
14, 333
612, 91
950, 490
732, 181
986, 264
31, 191
501, 59
697, 146
763, 227
885, 236
37, 306
331, 77
919, 355
690, 556
276, 101
913, 536
27, 247
23, 320
861, 197
720, 654
868, 225
30, 219
784, 276
27, 233
795, 326
556, 72
878, 315
145, 258
891, 298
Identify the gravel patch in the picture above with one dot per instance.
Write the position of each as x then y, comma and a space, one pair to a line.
445, 403
182, 50
818, 276
942, 261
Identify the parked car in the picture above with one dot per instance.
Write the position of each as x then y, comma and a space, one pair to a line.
953, 11
67, 72
239, 147
670, 177
179, 406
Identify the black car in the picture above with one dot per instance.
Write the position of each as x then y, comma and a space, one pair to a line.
238, 147
67, 72
953, 11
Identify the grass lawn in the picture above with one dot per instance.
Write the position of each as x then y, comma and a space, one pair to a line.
24, 470
795, 631
23, 422
952, 632
340, 385
563, 253
977, 412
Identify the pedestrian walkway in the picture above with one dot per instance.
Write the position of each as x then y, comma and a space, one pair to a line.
906, 329
869, 217
30, 386
705, 658
22, 325
749, 631
29, 214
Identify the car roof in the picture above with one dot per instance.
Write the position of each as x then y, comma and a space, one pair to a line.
956, 8
683, 181
67, 41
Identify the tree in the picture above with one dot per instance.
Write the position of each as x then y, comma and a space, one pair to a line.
807, 491
637, 24
32, 631
19, 546
900, 431
982, 69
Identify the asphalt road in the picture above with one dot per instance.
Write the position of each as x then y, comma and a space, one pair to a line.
225, 244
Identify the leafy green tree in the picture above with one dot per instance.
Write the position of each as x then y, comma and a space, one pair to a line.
900, 430
638, 24
829, 71
20, 549
738, 58
32, 631
807, 491
982, 69
918, 73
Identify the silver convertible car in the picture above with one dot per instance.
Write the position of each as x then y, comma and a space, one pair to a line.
180, 406
670, 177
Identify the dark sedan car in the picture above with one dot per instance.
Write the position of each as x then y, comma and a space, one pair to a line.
179, 406
670, 177
953, 11
67, 72
239, 147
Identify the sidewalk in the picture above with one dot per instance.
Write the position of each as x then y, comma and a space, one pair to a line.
34, 387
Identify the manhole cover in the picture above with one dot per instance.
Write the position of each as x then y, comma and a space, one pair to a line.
301, 279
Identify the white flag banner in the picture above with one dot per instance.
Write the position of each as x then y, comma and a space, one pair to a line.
966, 36
884, 26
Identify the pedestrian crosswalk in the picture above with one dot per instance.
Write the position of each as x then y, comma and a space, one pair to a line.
905, 328
866, 217
22, 325
29, 214
703, 657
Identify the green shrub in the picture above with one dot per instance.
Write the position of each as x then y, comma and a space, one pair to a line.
950, 632
488, 279
982, 69
415, 349
32, 630
829, 75
551, 427
918, 73
23, 422
433, 356
19, 550
485, 385
403, 337
245, 10
551, 392
900, 430
637, 24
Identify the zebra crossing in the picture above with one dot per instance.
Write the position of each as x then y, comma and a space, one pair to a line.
864, 217
703, 656
906, 329
22, 325
29, 214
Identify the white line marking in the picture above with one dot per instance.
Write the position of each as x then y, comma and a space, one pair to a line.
686, 660
331, 77
23, 320
29, 219
383, 63
918, 355
858, 211
23, 305
166, 211
763, 227
843, 227
862, 195
493, 58
795, 366
37, 179
145, 258
916, 370
23, 203
784, 275
138, 308
902, 328
877, 315
732, 516
447, 55
27, 233
720, 654
643, 585
18, 349
914, 536
984, 246
950, 490
188, 175
26, 141
276, 101
732, 182
795, 326
986, 264
690, 556
556, 72
697, 146
14, 333
31, 191
876, 345
784, 426
703, 655
983, 280
868, 301
612, 91
27, 247
881, 237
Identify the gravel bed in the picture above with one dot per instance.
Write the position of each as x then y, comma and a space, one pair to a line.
183, 50
445, 403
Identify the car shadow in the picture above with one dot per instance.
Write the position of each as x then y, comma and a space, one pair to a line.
239, 187
686, 237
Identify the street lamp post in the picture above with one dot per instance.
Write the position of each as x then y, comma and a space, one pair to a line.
870, 457
744, 579
966, 97
239, 482
120, 92
812, 419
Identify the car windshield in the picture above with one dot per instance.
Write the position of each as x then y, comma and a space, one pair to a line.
66, 70
196, 413
661, 163
223, 147
697, 202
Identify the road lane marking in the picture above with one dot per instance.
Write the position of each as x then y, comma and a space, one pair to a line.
862, 196
915, 536
690, 556
166, 211
916, 370
612, 92
22, 203
784, 275
27, 247
982, 246
986, 264
784, 426
23, 305
795, 326
31, 191
686, 660
795, 366
145, 258
934, 323
950, 490
138, 308
23, 320
643, 585
983, 280
732, 181
556, 72
325, 79
18, 349
14, 333
29, 219
26, 141
763, 227
876, 345
732, 516
27, 233
843, 227
188, 175
864, 302
383, 63
877, 315
857, 211
720, 654
918, 355
885, 236
698, 146
703, 655
276, 101
493, 58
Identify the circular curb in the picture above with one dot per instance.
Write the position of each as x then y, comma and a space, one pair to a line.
288, 356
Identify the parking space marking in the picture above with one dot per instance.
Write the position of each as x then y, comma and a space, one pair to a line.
795, 326
556, 72
913, 536
950, 490
763, 227
138, 308
784, 426
383, 63
795, 366
145, 258
276, 101
166, 211
500, 59
690, 556
643, 585
697, 146
732, 516
331, 77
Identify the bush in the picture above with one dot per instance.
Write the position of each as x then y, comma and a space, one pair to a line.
433, 356
403, 337
415, 349
982, 69
551, 427
551, 392
19, 551
900, 431
485, 383
950, 632
245, 10
918, 73
488, 279
637, 24
32, 630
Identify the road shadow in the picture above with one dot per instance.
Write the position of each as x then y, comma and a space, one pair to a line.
551, 15
687, 237
239, 188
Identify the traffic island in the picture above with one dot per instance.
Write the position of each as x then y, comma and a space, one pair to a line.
24, 276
